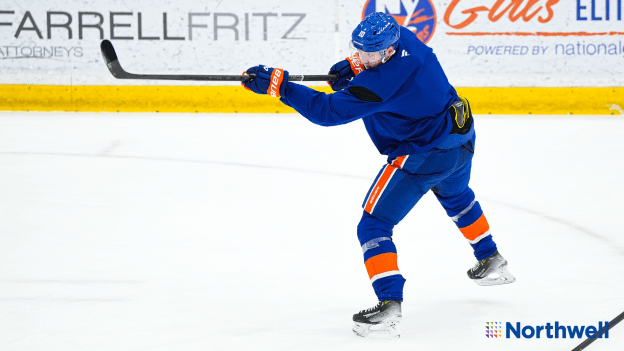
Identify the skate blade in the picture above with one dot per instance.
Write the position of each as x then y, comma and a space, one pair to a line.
385, 330
499, 278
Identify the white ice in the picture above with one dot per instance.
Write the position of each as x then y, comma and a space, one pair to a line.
238, 232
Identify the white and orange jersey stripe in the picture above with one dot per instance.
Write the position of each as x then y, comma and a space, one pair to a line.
400, 161
383, 181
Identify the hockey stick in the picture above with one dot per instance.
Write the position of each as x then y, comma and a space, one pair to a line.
112, 62
588, 341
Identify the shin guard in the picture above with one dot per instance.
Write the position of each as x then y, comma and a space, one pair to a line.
380, 258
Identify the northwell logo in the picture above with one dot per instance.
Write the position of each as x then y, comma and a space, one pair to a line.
493, 329
550, 331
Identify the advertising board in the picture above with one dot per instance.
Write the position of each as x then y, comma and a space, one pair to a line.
480, 43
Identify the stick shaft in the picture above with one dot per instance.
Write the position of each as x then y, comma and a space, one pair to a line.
112, 62
588, 341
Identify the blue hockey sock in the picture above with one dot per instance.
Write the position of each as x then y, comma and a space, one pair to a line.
380, 258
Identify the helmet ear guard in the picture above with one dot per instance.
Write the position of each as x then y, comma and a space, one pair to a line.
388, 54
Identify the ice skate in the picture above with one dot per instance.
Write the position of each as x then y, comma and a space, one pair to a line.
491, 271
379, 322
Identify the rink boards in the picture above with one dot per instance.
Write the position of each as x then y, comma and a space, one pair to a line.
234, 99
507, 57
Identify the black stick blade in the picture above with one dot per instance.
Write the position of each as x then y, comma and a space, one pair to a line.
108, 51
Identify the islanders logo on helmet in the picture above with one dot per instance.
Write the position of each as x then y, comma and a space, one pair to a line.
419, 16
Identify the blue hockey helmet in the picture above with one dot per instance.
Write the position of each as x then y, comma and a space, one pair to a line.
378, 31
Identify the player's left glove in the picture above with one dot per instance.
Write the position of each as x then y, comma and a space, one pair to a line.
346, 69
268, 80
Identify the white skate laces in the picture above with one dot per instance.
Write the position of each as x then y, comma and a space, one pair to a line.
372, 308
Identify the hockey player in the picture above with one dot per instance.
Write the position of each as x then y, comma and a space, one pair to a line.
396, 86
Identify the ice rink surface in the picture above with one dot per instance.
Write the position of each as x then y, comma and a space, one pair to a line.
238, 232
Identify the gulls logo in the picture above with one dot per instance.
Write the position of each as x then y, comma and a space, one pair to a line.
419, 16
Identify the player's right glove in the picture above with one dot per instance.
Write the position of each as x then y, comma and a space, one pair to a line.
347, 70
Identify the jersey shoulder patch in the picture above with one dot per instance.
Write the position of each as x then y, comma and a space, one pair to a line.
364, 94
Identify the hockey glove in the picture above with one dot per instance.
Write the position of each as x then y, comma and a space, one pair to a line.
347, 70
268, 80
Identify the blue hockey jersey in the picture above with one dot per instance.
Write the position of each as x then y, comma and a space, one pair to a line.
410, 112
